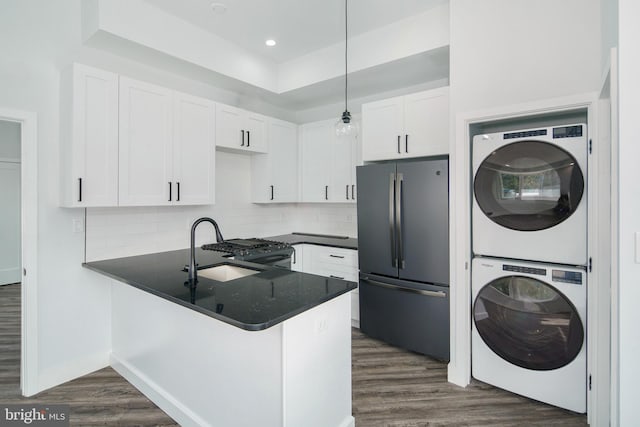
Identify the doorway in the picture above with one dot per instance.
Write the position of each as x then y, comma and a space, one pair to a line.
28, 196
10, 210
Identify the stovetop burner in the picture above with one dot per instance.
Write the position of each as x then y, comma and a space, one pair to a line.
246, 246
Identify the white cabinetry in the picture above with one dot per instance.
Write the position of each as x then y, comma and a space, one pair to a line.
194, 150
130, 143
89, 144
333, 262
239, 130
327, 164
274, 176
414, 125
167, 146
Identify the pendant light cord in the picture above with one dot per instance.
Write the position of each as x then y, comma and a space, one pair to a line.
345, 55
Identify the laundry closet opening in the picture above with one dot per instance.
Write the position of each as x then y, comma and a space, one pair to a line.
10, 198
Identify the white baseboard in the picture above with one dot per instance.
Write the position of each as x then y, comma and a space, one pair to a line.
74, 369
161, 397
349, 422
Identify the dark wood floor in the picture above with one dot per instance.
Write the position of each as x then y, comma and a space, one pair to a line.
391, 388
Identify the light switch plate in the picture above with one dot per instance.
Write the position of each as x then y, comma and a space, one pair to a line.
637, 247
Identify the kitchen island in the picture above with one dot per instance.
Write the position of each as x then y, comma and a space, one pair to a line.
271, 349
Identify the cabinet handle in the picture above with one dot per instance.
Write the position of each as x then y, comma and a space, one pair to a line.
399, 144
271, 191
242, 145
336, 277
437, 294
326, 192
178, 185
248, 139
347, 195
406, 143
353, 191
79, 189
336, 256
169, 191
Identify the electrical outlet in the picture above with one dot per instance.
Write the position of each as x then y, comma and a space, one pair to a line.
321, 325
77, 225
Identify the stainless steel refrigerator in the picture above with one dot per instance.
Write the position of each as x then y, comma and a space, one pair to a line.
403, 250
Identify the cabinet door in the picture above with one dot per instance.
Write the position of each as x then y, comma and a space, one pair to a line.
341, 168
255, 127
274, 176
283, 156
194, 150
316, 149
426, 122
382, 129
91, 167
145, 144
229, 127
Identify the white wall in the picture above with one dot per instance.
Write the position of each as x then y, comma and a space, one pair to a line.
73, 303
609, 29
504, 53
629, 212
9, 140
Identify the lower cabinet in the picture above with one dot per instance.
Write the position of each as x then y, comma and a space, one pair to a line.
333, 262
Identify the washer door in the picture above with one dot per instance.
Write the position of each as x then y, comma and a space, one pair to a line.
528, 323
529, 185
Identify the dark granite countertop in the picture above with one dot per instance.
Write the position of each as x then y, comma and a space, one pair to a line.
317, 239
253, 302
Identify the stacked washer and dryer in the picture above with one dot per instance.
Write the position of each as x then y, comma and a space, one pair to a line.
529, 239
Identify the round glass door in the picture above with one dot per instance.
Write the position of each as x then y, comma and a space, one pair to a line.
529, 185
528, 323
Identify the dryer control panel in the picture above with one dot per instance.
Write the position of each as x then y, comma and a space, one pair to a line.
563, 276
567, 131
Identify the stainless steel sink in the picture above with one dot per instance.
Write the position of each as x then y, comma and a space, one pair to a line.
226, 272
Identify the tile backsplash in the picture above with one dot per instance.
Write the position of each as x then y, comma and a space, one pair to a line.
127, 231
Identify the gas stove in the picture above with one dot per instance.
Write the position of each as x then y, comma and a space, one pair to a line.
260, 251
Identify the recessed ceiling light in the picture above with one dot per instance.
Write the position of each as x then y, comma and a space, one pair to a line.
270, 42
218, 8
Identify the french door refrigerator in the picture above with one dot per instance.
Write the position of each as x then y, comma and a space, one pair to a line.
403, 251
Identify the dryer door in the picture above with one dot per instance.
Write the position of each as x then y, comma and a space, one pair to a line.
528, 323
529, 185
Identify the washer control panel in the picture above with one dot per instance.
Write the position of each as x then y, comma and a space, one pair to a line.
527, 270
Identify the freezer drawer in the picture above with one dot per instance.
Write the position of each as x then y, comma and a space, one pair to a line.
406, 314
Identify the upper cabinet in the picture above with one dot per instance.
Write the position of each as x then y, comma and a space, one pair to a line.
89, 144
327, 164
146, 144
274, 176
167, 146
132, 143
194, 149
239, 130
414, 125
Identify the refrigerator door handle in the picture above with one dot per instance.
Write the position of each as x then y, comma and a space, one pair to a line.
437, 294
392, 222
399, 184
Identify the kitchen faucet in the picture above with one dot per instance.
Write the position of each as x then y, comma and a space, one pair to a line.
193, 270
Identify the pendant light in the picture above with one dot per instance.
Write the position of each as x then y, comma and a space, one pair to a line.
344, 126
